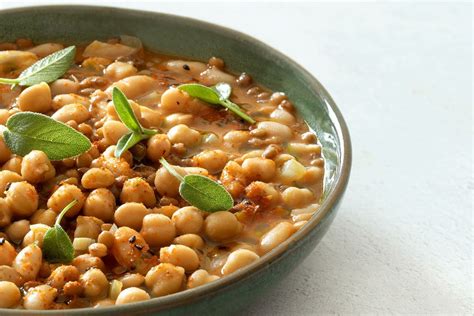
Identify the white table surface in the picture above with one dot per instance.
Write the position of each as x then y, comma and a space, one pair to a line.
402, 75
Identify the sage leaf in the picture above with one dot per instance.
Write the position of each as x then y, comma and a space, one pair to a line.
27, 131
218, 94
46, 69
200, 191
127, 116
57, 247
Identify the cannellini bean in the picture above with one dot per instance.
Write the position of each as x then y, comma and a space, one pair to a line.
63, 274
46, 49
181, 256
296, 198
276, 236
158, 146
212, 160
282, 116
276, 132
191, 240
107, 50
36, 98
132, 295
36, 167
64, 86
158, 230
36, 234
97, 178
214, 75
165, 279
40, 297
119, 70
200, 277
9, 274
7, 252
135, 86
177, 118
113, 131
28, 262
259, 169
238, 259
72, 112
132, 280
185, 135
13, 62
235, 139
95, 283
64, 99
86, 262
191, 68
174, 100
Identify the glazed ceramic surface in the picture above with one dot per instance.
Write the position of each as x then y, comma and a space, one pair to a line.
199, 40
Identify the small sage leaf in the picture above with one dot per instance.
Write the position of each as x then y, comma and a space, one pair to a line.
29, 131
46, 69
57, 247
219, 94
125, 111
200, 191
127, 116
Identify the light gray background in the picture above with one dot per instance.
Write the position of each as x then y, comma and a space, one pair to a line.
402, 75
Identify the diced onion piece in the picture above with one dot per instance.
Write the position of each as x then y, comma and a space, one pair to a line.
292, 170
115, 289
113, 229
82, 243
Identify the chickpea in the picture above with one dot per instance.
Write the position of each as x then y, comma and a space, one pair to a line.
212, 160
13, 164
95, 283
64, 195
311, 176
165, 279
119, 70
17, 230
200, 277
188, 220
132, 295
22, 199
64, 99
181, 256
190, 240
167, 185
158, 146
5, 152
36, 234
177, 118
183, 134
36, 98
98, 250
73, 288
106, 238
88, 227
138, 190
7, 177
109, 154
132, 280
296, 198
72, 112
64, 86
259, 169
63, 274
4, 115
28, 262
263, 194
40, 297
220, 226
101, 204
7, 252
276, 236
86, 262
238, 259
158, 230
5, 213
174, 100
36, 167
236, 139
113, 131
9, 274
233, 179
128, 248
134, 86
130, 214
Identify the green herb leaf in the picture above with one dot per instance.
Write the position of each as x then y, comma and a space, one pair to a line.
125, 111
219, 94
201, 192
46, 69
57, 247
127, 116
29, 131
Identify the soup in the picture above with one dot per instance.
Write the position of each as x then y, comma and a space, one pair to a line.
190, 173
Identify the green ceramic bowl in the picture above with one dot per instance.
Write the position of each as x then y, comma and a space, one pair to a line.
199, 40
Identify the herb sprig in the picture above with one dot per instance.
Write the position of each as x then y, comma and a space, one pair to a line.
218, 94
27, 131
57, 247
46, 69
200, 191
125, 112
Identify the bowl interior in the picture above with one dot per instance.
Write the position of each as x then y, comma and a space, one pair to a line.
199, 40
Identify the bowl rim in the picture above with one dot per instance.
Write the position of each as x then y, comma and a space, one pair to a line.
325, 209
